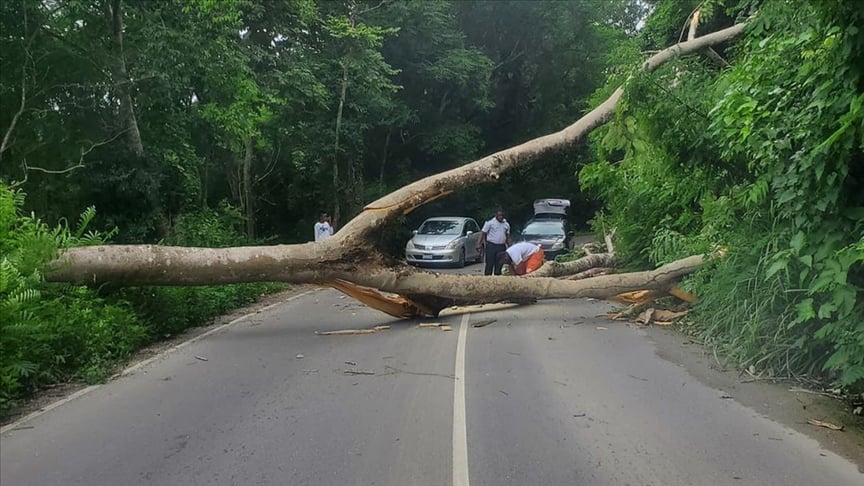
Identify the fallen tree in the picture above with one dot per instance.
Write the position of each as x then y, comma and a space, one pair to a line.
350, 258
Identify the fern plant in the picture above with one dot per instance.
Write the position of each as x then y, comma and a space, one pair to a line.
52, 332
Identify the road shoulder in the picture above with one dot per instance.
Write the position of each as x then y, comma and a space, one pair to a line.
782, 401
49, 397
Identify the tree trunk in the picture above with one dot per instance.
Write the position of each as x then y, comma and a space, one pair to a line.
342, 94
312, 263
248, 196
349, 255
384, 158
7, 136
122, 87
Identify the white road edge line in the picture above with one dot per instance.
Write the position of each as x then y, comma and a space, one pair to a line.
460, 426
137, 366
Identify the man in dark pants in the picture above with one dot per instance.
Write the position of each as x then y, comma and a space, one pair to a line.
496, 235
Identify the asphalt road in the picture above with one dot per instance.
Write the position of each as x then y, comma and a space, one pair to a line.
547, 395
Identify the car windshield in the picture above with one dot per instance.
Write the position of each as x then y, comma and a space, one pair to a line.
544, 228
441, 227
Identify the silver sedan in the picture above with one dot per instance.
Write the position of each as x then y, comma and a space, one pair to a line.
449, 241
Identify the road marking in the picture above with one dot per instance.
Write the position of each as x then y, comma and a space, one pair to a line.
137, 366
460, 426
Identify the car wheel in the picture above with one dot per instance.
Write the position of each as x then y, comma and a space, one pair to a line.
461, 262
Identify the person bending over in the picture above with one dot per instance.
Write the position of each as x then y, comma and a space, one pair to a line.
522, 258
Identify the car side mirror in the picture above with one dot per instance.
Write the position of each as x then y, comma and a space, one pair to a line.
469, 233
414, 232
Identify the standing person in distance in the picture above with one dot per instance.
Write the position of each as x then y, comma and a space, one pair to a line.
323, 230
496, 235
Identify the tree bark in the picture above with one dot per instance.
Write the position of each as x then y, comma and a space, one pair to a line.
312, 263
114, 13
247, 195
349, 255
555, 269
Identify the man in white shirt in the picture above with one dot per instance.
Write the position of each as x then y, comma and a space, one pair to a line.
323, 230
496, 235
523, 258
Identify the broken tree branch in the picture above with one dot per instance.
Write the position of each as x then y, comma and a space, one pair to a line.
350, 256
556, 269
160, 265
490, 168
591, 272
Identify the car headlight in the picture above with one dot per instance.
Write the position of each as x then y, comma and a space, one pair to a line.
453, 244
409, 245
558, 245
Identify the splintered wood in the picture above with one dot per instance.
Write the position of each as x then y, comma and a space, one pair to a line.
350, 332
650, 316
433, 325
827, 425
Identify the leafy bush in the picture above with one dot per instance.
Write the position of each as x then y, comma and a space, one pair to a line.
52, 332
764, 159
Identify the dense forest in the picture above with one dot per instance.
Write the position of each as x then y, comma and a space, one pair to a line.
222, 123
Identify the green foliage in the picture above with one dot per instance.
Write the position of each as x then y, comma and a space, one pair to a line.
55, 333
52, 333
763, 159
212, 228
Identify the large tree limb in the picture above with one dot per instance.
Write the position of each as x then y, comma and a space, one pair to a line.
349, 255
490, 168
308, 263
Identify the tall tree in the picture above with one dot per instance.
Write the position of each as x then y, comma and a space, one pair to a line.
113, 10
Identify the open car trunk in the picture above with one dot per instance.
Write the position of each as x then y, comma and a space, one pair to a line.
551, 208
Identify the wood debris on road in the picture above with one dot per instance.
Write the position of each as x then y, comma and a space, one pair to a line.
358, 372
348, 332
644, 318
345, 332
827, 425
